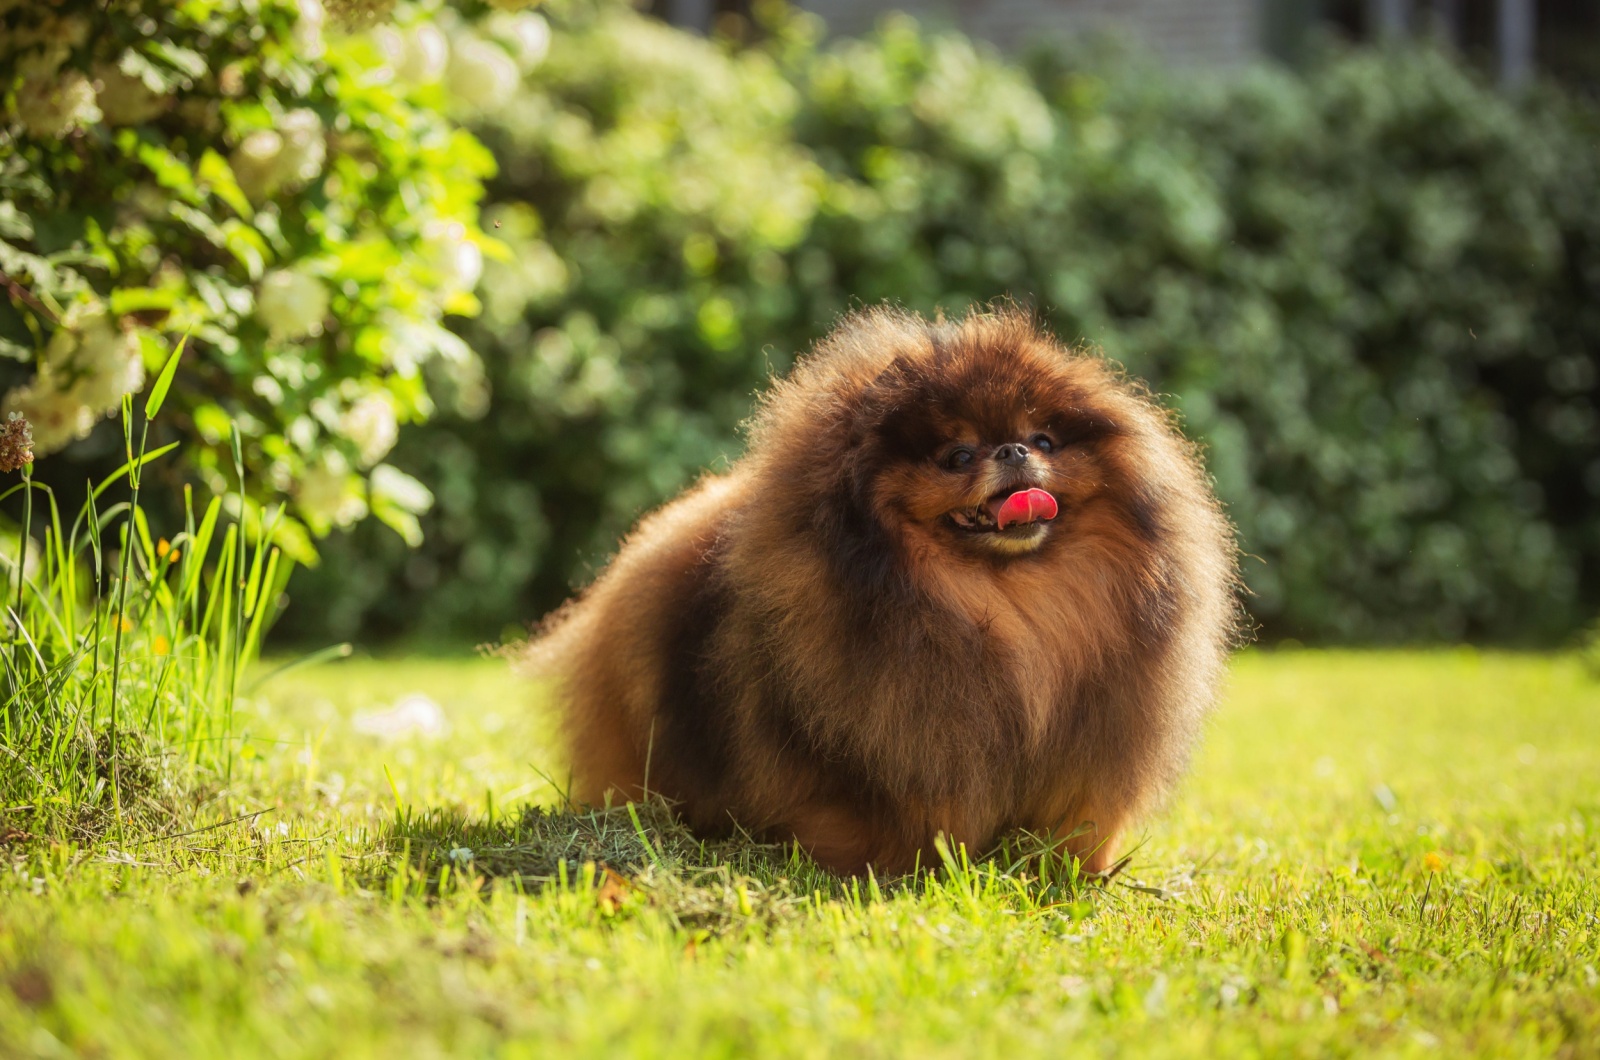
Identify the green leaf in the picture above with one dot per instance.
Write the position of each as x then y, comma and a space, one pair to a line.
184, 60
396, 501
247, 247
200, 222
158, 393
291, 535
215, 171
202, 544
170, 171
394, 488
401, 522
238, 453
134, 299
16, 338
14, 224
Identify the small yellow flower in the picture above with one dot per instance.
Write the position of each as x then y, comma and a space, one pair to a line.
176, 555
163, 547
1433, 861
162, 644
125, 622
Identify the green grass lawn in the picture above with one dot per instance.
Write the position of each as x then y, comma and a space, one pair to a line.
1376, 854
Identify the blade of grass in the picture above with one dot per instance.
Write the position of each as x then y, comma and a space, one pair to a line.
236, 643
322, 655
158, 393
129, 529
252, 642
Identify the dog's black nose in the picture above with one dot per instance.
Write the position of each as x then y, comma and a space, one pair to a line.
1013, 453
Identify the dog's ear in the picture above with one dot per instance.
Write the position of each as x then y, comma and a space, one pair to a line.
877, 402
898, 373
856, 542
891, 386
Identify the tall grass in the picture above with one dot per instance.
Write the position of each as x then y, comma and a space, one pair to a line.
123, 646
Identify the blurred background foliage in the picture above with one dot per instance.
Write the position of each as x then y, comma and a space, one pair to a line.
1370, 287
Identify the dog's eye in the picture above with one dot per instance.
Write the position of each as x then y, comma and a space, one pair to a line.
1043, 443
958, 458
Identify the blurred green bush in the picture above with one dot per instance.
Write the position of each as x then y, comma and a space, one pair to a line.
1370, 289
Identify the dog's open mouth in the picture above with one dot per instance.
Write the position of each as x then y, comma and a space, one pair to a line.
1008, 510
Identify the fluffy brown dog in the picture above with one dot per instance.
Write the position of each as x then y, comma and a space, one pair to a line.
964, 581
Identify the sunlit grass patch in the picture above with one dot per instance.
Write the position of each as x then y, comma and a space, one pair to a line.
1281, 906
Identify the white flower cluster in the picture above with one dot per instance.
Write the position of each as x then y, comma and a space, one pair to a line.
308, 29
417, 55
51, 103
291, 304
526, 35
370, 423
329, 494
40, 27
87, 367
480, 73
288, 156
127, 100
455, 259
53, 100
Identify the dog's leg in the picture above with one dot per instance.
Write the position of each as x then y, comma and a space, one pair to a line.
1090, 833
838, 839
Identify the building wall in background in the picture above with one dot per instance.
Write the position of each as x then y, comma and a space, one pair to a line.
1510, 38
1188, 32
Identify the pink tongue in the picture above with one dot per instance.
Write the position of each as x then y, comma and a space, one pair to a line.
1025, 506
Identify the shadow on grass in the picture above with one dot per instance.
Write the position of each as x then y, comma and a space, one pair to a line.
643, 853
624, 856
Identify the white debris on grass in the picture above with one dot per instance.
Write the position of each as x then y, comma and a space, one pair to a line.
412, 715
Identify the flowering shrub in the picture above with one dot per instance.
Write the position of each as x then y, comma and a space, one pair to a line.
277, 183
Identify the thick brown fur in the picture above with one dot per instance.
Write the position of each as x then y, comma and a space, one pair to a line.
808, 647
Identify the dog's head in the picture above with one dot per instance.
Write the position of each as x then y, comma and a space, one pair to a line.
984, 438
